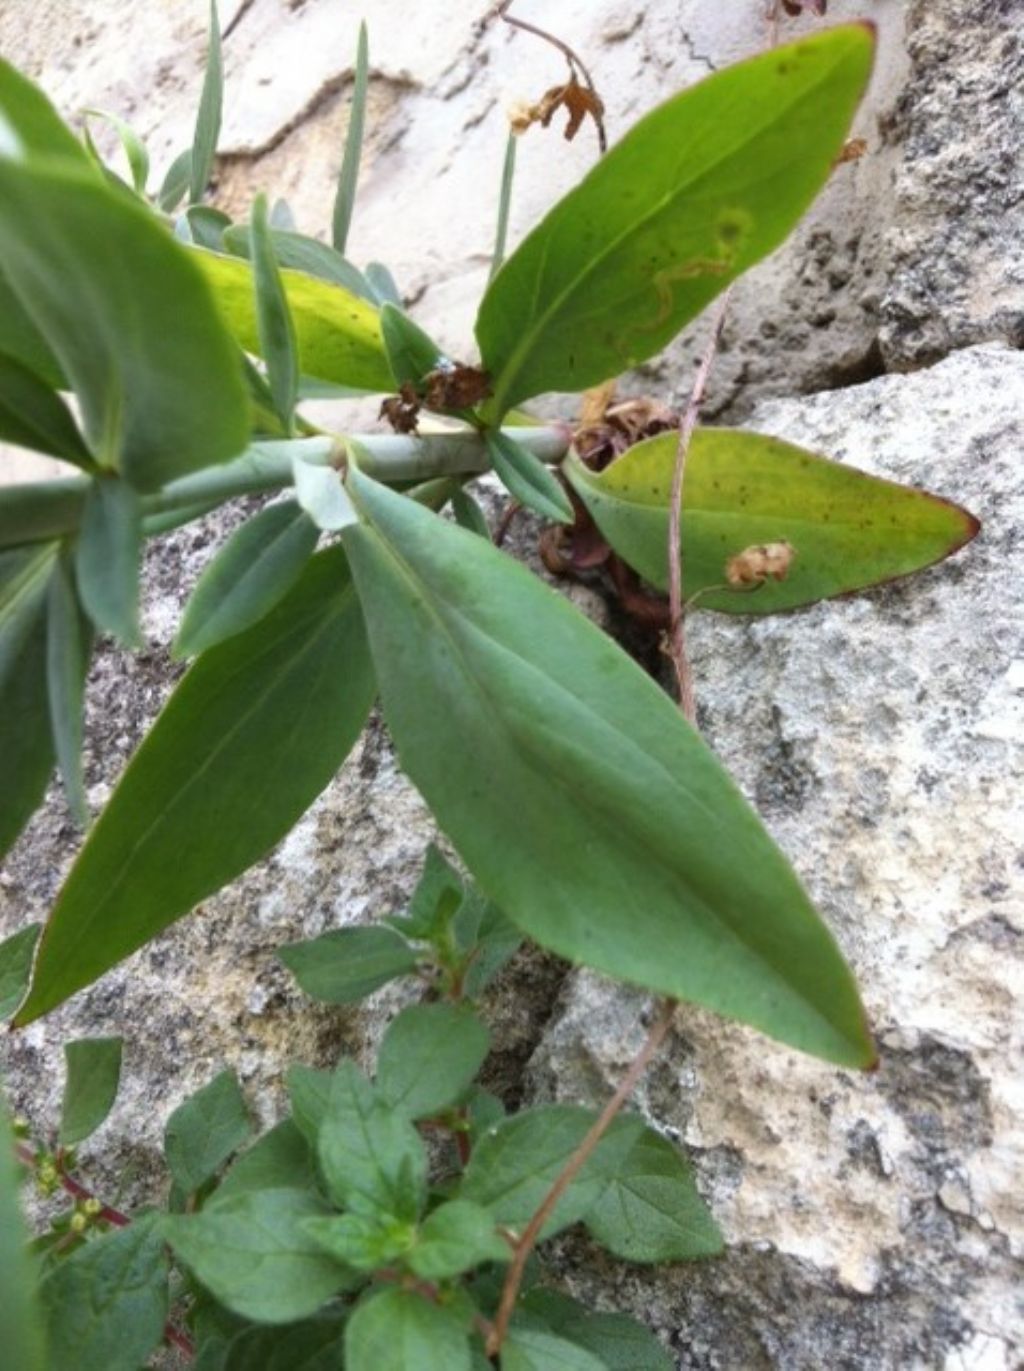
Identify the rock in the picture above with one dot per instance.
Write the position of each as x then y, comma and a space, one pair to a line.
953, 250
879, 736
436, 133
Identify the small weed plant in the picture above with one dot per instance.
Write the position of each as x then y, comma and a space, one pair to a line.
390, 1221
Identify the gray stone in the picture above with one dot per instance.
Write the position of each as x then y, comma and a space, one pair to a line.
953, 249
872, 1221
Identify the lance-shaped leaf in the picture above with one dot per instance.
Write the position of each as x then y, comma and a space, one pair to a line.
698, 191
107, 558
305, 254
130, 319
16, 966
39, 511
68, 645
34, 416
338, 333
211, 102
258, 564
583, 803
135, 150
847, 530
247, 741
34, 127
176, 181
528, 479
345, 197
21, 340
411, 352
25, 739
273, 320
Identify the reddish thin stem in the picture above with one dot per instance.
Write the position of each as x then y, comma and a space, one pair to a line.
570, 1171
105, 1214
567, 52
676, 637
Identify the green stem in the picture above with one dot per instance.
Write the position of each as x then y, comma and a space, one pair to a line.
51, 509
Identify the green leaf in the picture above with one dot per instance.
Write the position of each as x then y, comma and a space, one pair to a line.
16, 967
253, 1254
176, 182
338, 333
456, 1237
20, 1326
366, 1244
508, 172
208, 119
281, 1159
278, 344
618, 1341
134, 148
203, 1131
532, 1349
248, 739
68, 645
105, 1306
528, 479
516, 1162
347, 964
25, 739
435, 901
486, 672
21, 340
383, 285
28, 116
93, 1068
468, 514
399, 1330
33, 415
123, 307
494, 940
313, 1345
345, 198
652, 1210
321, 493
258, 564
37, 511
205, 226
372, 1158
694, 194
849, 530
310, 1091
411, 352
304, 254
107, 558
429, 1057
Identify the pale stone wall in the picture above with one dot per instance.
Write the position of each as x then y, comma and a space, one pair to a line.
873, 1222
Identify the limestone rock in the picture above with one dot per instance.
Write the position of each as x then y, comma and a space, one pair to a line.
953, 250
873, 1221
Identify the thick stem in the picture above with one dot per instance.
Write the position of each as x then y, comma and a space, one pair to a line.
676, 637
51, 509
570, 1171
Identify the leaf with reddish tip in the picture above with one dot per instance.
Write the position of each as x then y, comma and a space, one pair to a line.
849, 530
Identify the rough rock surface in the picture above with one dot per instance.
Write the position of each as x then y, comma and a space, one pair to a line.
953, 248
868, 279
872, 1222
